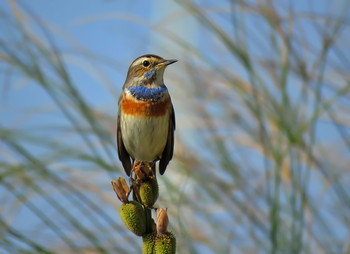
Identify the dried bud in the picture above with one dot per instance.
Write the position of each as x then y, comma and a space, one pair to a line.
121, 189
165, 243
133, 216
149, 192
162, 221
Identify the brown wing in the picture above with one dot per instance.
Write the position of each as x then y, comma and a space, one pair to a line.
167, 154
123, 155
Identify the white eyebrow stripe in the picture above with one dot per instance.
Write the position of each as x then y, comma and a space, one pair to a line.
151, 58
139, 61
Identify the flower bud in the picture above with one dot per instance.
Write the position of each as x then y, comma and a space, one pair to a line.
165, 243
162, 221
133, 216
148, 243
121, 189
149, 192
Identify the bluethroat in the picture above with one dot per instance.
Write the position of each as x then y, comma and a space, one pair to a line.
146, 118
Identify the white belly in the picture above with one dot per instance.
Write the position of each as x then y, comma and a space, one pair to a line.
144, 137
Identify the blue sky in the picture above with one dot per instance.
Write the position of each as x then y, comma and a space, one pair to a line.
115, 31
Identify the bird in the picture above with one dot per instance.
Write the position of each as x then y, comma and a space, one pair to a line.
146, 117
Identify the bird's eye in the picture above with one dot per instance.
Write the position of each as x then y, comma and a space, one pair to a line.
145, 63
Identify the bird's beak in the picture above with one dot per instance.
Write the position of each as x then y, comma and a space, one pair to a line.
167, 62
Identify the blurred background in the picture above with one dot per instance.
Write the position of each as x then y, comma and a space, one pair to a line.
261, 95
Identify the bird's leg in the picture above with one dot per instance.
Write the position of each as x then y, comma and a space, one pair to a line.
149, 169
139, 173
152, 167
137, 180
144, 171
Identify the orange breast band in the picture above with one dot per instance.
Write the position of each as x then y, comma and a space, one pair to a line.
131, 106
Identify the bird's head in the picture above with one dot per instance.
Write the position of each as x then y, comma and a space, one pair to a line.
147, 70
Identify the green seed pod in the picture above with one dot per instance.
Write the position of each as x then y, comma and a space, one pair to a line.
149, 192
133, 216
148, 243
165, 244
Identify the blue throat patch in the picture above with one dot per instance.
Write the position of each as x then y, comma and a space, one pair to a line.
150, 74
144, 93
